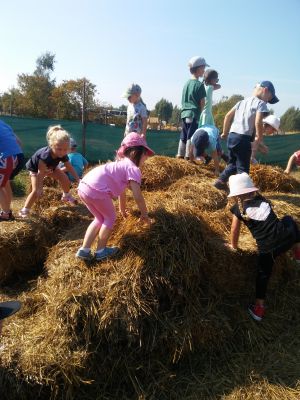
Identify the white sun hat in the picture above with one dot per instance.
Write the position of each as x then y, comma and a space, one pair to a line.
273, 121
197, 61
241, 184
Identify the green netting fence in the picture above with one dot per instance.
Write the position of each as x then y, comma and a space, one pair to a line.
103, 140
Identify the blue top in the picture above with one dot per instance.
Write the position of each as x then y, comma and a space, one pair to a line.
78, 162
44, 154
8, 141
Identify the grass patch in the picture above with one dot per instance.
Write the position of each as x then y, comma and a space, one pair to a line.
20, 184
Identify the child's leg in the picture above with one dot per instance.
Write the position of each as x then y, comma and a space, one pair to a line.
265, 266
109, 217
33, 195
4, 200
63, 179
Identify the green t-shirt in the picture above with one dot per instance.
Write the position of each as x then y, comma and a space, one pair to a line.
192, 93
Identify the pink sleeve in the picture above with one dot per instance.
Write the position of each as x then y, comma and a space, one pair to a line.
134, 174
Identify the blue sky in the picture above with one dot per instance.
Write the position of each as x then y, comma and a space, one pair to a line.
114, 43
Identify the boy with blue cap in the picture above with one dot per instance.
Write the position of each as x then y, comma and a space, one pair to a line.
244, 123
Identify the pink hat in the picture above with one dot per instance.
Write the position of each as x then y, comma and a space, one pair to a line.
133, 139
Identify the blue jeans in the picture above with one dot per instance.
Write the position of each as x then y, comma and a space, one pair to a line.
239, 148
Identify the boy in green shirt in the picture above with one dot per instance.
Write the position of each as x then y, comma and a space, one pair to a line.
192, 103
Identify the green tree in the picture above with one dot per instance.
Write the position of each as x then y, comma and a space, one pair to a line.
45, 65
221, 108
176, 116
290, 121
163, 110
67, 98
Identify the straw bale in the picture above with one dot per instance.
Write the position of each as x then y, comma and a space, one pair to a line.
51, 198
110, 327
159, 171
198, 191
268, 178
23, 246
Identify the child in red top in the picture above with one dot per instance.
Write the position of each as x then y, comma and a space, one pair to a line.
294, 160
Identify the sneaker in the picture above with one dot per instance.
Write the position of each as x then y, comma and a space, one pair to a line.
106, 252
6, 216
178, 156
84, 255
297, 255
256, 311
221, 185
68, 198
24, 213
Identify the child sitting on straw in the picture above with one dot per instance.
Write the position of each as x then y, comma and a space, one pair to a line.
45, 162
105, 183
78, 162
271, 125
273, 236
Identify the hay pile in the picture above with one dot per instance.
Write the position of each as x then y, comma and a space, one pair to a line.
268, 179
159, 172
173, 292
23, 246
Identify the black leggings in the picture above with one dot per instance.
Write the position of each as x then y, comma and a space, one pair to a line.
266, 260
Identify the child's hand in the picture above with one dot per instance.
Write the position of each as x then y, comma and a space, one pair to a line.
145, 219
230, 247
223, 136
263, 148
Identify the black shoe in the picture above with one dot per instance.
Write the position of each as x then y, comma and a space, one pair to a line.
207, 160
221, 185
225, 157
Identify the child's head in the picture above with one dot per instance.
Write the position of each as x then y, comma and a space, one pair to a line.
134, 147
58, 140
211, 77
271, 124
197, 66
265, 91
241, 184
73, 145
133, 93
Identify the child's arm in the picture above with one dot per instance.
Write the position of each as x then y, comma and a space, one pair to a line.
140, 201
215, 157
259, 129
227, 123
216, 86
144, 127
69, 168
191, 152
290, 164
235, 232
122, 204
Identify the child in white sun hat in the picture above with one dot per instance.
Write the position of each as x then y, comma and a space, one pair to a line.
273, 236
271, 125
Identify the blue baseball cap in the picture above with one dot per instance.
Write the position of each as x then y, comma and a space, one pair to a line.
9, 308
269, 85
200, 141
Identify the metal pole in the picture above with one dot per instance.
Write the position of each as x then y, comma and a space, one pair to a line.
83, 118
